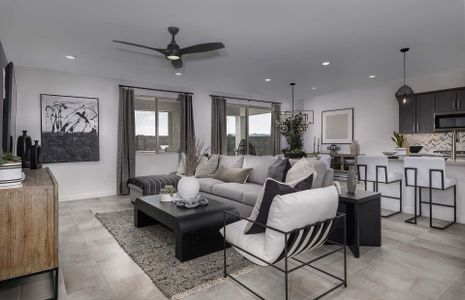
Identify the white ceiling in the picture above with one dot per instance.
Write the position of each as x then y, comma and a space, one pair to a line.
283, 40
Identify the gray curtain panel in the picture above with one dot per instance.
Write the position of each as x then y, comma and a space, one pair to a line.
126, 140
275, 134
218, 139
187, 123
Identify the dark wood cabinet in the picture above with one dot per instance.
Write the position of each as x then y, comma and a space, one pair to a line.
407, 115
424, 117
461, 100
446, 101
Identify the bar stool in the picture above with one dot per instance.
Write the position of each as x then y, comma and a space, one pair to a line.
375, 169
429, 173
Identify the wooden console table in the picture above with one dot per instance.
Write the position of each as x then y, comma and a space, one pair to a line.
29, 228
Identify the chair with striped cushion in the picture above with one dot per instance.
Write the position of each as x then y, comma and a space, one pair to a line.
297, 223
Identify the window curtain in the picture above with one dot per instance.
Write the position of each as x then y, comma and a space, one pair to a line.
218, 139
275, 134
126, 151
187, 124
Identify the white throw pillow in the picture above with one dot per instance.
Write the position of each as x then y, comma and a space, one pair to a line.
182, 165
207, 166
300, 170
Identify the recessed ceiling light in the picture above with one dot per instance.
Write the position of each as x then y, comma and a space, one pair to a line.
70, 57
314, 88
325, 63
178, 73
267, 79
372, 76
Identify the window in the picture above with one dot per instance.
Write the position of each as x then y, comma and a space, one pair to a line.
157, 124
248, 129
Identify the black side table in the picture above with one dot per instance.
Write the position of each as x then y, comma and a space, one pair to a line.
363, 213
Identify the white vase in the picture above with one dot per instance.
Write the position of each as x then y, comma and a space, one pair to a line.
166, 197
188, 187
11, 175
401, 151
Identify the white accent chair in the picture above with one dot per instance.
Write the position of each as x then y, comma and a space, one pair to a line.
297, 222
375, 169
429, 173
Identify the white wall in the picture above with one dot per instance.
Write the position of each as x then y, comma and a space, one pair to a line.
376, 113
94, 179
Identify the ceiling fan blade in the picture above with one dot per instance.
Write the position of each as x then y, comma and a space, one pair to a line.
177, 63
202, 48
162, 51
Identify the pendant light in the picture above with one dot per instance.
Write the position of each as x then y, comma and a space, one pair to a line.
404, 90
300, 119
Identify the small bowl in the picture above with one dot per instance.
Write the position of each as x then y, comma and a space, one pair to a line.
389, 153
415, 148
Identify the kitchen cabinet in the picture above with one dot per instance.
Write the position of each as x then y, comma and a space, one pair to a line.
446, 101
424, 116
407, 115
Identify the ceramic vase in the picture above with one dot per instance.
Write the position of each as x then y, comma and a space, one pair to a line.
23, 148
36, 156
166, 197
188, 187
11, 175
351, 181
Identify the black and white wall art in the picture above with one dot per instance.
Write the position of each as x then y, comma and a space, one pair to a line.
70, 128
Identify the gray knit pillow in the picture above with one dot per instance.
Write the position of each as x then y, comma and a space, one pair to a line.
207, 166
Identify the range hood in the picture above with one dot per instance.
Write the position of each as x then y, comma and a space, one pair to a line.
449, 121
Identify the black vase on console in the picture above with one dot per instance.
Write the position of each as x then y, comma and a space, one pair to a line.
36, 156
24, 149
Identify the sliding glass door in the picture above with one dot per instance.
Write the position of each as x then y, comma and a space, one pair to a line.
248, 129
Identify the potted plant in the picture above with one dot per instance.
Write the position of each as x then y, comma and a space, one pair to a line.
293, 129
188, 185
167, 193
11, 173
399, 140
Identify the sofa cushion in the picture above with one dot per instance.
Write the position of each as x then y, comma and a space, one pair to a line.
250, 198
259, 166
300, 169
270, 189
206, 184
292, 211
231, 161
278, 169
207, 166
237, 175
233, 190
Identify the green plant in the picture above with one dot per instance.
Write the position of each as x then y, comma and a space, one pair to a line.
398, 139
168, 189
293, 129
8, 157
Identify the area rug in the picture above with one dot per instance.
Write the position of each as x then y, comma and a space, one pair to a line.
152, 248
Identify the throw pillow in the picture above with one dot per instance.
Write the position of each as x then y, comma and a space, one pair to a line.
182, 165
207, 166
278, 169
270, 189
301, 170
237, 175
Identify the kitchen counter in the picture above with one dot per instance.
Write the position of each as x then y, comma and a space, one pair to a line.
449, 162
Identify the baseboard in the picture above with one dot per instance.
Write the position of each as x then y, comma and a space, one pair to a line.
86, 196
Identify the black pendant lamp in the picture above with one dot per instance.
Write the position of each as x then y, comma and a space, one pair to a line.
404, 90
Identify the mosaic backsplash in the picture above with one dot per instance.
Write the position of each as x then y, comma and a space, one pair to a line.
436, 141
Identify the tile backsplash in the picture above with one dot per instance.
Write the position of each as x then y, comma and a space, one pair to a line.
436, 141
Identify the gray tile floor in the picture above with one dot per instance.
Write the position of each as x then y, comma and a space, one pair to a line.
414, 262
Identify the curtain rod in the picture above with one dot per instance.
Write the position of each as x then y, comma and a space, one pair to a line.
246, 99
158, 90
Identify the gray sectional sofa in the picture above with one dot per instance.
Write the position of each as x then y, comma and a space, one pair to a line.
243, 196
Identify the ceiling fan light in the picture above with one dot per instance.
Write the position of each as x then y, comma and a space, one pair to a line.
173, 57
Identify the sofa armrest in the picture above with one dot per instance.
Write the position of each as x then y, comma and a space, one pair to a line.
329, 178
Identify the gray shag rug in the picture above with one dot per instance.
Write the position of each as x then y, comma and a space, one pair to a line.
152, 248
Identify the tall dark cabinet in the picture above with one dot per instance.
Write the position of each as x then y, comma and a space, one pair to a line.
446, 101
461, 100
407, 115
425, 108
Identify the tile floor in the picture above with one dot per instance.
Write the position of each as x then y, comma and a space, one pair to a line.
413, 263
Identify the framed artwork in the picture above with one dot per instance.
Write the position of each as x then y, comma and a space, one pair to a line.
69, 128
337, 126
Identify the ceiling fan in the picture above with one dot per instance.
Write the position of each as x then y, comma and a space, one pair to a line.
173, 52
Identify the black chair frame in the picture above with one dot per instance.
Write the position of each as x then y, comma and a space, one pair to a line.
417, 198
376, 186
287, 270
